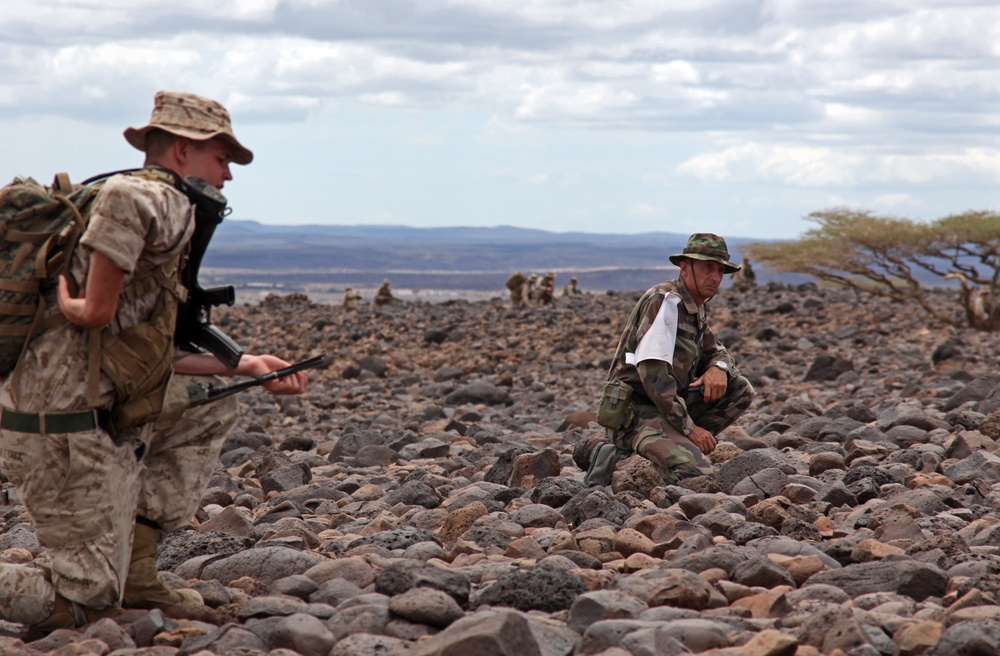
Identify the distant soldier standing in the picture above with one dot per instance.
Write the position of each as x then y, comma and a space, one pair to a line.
351, 299
570, 288
547, 288
745, 279
530, 294
666, 349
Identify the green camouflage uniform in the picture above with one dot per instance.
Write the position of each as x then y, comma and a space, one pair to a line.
665, 411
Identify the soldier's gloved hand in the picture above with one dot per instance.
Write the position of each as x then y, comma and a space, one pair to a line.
702, 439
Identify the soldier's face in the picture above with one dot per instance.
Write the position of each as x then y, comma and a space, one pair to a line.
209, 160
702, 278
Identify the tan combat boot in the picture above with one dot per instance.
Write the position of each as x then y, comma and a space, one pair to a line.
143, 587
63, 616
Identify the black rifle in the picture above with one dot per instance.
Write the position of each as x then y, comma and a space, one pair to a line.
200, 394
195, 331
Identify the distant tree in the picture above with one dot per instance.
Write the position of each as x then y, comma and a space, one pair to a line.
884, 255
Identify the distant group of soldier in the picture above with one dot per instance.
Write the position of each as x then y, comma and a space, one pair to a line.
532, 290
383, 296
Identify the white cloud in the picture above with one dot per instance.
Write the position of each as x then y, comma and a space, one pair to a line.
812, 166
597, 14
799, 166
643, 65
567, 101
674, 72
848, 115
941, 167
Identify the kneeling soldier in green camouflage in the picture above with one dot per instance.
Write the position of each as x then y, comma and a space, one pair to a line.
672, 386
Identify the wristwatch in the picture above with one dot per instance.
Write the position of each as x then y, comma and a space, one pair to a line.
721, 365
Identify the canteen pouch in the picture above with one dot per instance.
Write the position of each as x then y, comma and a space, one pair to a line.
615, 410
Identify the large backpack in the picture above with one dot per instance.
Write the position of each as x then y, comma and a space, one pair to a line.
39, 227
515, 281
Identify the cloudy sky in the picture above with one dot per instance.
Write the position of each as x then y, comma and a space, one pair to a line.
735, 116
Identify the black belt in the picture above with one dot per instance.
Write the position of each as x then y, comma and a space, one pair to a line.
48, 422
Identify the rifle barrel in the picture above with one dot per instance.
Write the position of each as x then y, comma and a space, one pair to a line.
216, 392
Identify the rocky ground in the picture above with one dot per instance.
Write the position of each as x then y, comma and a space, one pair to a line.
426, 498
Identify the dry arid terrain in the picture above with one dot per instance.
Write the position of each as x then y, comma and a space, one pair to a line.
425, 496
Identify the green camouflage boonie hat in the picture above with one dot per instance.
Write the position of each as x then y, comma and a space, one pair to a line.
706, 246
192, 116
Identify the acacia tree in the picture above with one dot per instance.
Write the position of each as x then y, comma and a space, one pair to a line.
886, 255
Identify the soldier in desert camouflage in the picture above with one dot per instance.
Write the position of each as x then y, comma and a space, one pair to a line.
100, 499
517, 285
384, 295
547, 288
351, 299
571, 289
666, 350
745, 279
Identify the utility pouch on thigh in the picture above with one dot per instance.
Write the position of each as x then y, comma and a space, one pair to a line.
615, 410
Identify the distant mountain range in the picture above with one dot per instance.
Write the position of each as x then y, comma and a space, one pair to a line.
248, 253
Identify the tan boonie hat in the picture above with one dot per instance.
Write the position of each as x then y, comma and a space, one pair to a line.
192, 116
706, 246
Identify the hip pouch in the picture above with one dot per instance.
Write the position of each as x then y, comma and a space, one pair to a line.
615, 410
139, 359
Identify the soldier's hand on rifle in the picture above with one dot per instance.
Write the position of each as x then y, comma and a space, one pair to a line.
714, 381
258, 365
205, 364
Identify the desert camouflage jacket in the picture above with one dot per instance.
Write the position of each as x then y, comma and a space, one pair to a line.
139, 224
659, 382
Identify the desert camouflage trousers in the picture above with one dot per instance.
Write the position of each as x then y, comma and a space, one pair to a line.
673, 454
83, 491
